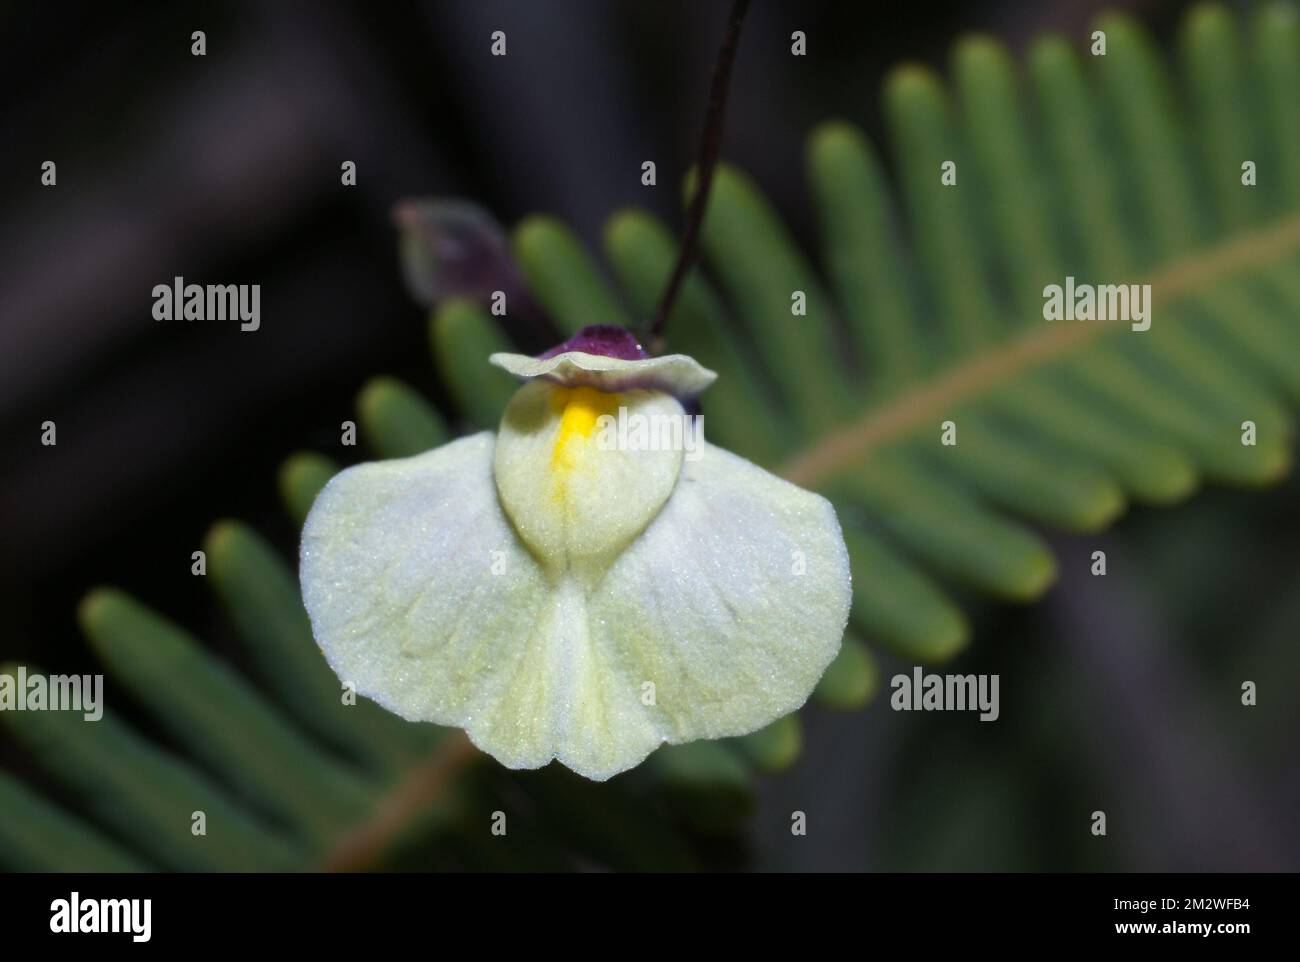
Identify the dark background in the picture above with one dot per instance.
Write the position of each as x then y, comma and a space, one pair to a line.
225, 169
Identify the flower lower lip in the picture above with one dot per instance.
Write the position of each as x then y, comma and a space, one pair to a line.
531, 585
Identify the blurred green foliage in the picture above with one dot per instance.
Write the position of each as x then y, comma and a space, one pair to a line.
924, 312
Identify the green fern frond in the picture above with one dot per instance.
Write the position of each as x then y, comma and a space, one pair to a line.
935, 314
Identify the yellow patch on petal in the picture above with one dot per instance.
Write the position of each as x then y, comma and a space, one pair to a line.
579, 409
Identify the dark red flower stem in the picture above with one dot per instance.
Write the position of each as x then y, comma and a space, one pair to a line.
709, 149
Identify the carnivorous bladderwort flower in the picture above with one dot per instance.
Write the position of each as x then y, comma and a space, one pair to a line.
563, 599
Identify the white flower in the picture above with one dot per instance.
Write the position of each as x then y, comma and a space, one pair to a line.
561, 600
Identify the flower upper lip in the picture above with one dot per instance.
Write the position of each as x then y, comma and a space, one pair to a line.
676, 374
